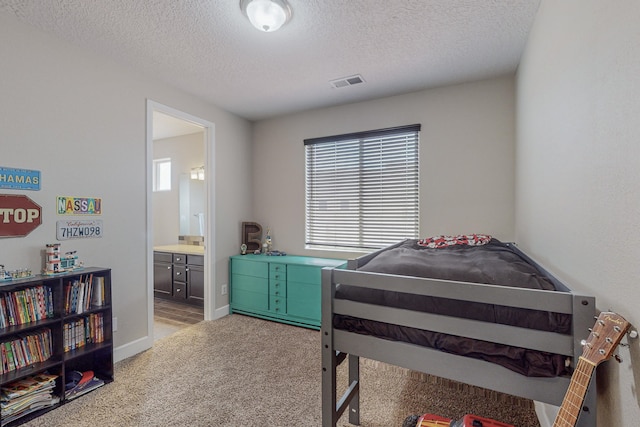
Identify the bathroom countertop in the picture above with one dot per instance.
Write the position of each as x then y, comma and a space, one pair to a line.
181, 249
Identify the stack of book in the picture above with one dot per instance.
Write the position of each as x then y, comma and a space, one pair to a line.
26, 350
79, 383
26, 305
27, 395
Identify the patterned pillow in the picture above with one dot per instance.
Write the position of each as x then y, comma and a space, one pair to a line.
461, 239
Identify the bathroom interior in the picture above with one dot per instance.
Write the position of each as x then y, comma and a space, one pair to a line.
178, 211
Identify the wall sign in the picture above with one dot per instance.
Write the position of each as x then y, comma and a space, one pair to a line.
78, 228
19, 179
19, 215
79, 205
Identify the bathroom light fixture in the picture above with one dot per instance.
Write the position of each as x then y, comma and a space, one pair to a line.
266, 15
197, 173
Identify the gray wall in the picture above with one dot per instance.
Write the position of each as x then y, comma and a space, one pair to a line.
578, 167
81, 120
466, 159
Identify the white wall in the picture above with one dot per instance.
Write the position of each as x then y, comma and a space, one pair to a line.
185, 152
466, 159
81, 120
578, 167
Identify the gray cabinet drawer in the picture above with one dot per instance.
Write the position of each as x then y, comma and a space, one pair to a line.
195, 260
179, 258
162, 257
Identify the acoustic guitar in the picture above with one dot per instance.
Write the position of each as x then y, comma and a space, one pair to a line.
605, 336
598, 347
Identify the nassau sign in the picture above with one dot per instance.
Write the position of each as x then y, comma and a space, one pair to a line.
19, 215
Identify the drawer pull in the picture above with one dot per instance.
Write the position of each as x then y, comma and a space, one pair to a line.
169, 268
178, 290
178, 273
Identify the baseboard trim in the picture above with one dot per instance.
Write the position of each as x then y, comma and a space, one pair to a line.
221, 312
132, 348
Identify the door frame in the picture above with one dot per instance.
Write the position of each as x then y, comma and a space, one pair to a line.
209, 226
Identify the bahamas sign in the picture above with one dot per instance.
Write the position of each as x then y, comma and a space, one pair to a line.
19, 215
79, 205
19, 179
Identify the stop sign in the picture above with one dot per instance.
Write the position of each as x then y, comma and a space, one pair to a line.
19, 215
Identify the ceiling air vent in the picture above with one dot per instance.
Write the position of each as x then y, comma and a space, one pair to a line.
347, 81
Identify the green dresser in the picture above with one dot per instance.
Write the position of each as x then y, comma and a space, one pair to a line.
281, 288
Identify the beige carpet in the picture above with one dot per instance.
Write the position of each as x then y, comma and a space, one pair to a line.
241, 371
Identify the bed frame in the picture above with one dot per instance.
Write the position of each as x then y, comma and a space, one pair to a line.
339, 345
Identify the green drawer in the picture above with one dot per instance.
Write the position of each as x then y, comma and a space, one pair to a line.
250, 268
277, 304
249, 283
303, 300
277, 271
278, 288
246, 300
304, 274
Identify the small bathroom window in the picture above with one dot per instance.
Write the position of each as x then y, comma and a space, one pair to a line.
162, 174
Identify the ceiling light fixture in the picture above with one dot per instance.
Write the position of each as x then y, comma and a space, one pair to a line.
266, 15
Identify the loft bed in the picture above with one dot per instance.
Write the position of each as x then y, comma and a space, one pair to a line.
500, 322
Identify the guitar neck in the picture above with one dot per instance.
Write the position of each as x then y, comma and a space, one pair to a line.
574, 398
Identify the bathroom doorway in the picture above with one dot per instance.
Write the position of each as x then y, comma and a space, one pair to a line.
179, 203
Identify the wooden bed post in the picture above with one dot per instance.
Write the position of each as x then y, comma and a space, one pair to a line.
329, 363
354, 380
332, 410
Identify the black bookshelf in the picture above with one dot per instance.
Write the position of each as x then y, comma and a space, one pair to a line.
44, 330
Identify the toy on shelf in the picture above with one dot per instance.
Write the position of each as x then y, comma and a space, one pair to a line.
21, 273
56, 264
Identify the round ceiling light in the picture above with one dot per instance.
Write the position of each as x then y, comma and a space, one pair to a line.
266, 15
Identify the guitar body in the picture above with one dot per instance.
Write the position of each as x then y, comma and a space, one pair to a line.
431, 420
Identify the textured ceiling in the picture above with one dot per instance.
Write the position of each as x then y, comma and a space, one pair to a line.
210, 49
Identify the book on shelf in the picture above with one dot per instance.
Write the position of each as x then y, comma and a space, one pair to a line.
26, 349
80, 332
25, 306
82, 294
79, 383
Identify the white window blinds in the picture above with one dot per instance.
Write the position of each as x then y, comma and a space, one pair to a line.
362, 188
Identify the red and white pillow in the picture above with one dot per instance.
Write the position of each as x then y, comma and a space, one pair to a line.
461, 239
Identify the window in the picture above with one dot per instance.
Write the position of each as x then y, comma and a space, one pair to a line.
362, 188
162, 174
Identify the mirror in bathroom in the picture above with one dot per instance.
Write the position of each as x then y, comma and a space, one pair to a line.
192, 206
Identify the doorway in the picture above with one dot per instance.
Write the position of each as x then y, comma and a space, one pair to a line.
182, 144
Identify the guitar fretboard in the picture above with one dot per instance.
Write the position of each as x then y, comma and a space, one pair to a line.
574, 398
